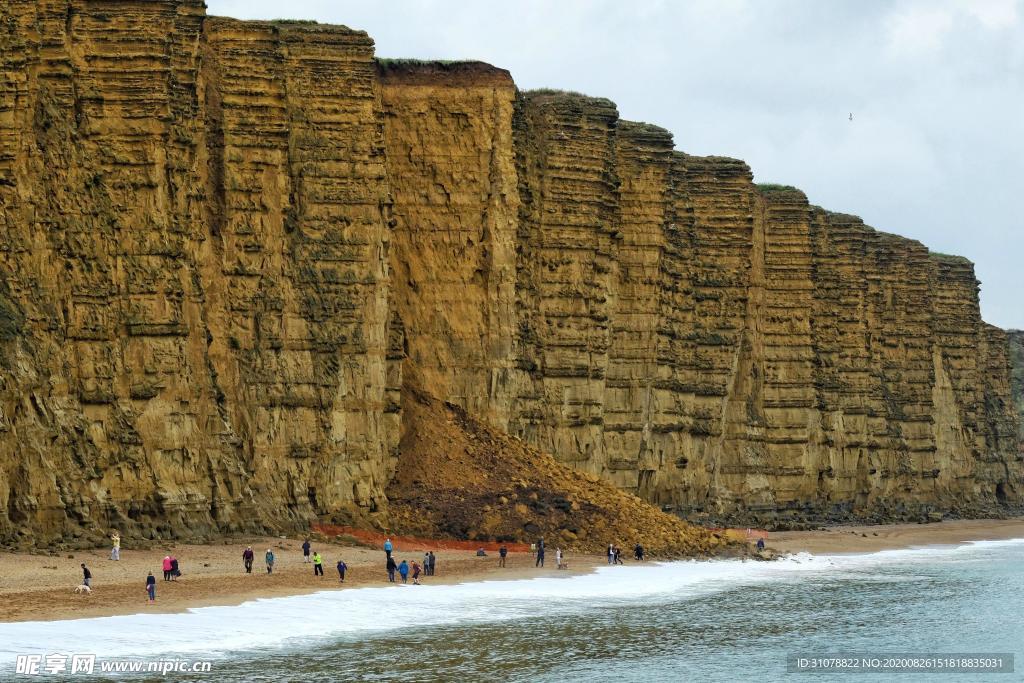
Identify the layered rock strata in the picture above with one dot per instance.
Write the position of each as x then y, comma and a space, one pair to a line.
195, 262
223, 242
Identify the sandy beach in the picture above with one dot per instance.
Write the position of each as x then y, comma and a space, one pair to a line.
41, 587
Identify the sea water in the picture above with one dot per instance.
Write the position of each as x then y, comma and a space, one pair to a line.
709, 621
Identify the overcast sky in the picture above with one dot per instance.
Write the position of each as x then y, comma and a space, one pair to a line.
935, 150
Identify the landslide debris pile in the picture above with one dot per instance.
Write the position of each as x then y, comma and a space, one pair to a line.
458, 477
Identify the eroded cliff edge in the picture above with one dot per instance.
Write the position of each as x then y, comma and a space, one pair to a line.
221, 241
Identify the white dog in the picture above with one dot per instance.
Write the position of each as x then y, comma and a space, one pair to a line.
83, 589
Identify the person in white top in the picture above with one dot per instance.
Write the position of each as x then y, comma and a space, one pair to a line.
558, 557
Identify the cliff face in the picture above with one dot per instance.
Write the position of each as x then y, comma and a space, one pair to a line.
195, 243
222, 242
1017, 381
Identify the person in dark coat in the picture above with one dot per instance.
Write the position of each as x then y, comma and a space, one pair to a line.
342, 568
86, 576
502, 554
305, 551
175, 573
540, 553
151, 587
247, 558
392, 568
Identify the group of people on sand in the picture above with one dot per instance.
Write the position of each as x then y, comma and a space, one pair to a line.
171, 571
614, 554
405, 569
540, 549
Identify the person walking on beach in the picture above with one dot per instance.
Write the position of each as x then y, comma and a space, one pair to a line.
502, 554
558, 558
426, 563
611, 553
174, 568
415, 573
760, 544
247, 558
342, 568
617, 555
151, 587
305, 551
388, 547
638, 552
318, 565
115, 550
86, 576
403, 569
392, 567
270, 561
167, 567
540, 553
433, 563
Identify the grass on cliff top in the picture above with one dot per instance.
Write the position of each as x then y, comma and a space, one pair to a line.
553, 91
408, 61
774, 187
949, 257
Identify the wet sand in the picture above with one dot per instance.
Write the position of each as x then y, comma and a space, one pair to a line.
41, 587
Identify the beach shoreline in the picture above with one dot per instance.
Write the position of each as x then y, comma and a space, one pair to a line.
866, 538
39, 587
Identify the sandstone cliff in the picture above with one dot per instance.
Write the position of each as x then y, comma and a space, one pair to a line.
1017, 380
222, 241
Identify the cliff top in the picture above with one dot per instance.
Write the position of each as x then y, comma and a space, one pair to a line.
553, 95
287, 25
781, 192
950, 258
441, 73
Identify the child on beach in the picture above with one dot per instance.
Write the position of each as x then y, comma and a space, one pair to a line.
403, 569
415, 573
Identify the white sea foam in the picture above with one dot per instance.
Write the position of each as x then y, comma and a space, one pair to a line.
282, 622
